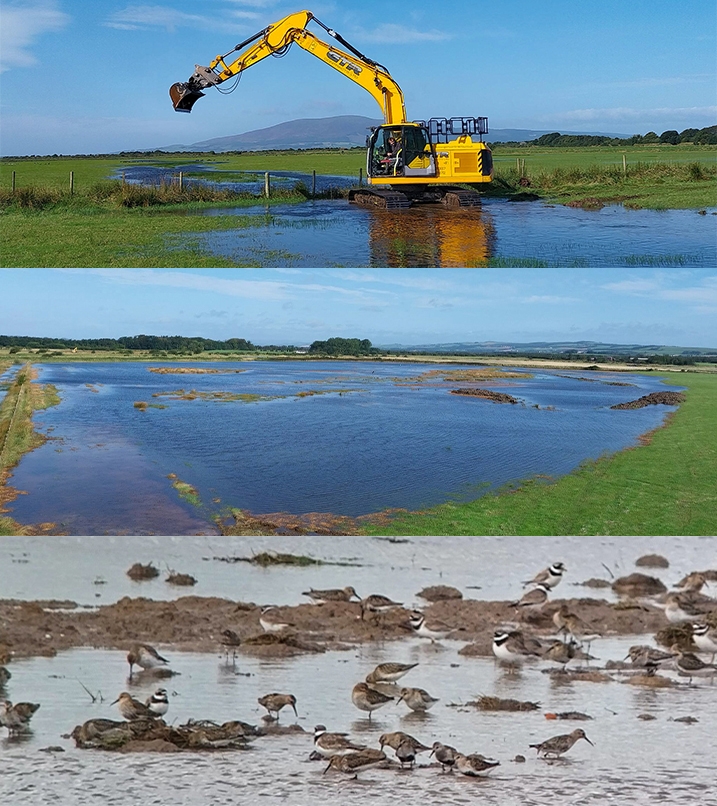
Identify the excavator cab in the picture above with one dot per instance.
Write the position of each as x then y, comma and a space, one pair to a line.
400, 150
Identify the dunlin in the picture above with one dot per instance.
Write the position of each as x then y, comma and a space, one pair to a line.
571, 624
4, 676
16, 718
132, 709
681, 607
145, 656
158, 703
356, 762
331, 595
475, 764
561, 653
377, 603
368, 699
689, 665
550, 576
417, 699
406, 754
433, 629
230, 641
333, 744
275, 702
398, 737
445, 755
270, 620
389, 672
557, 745
649, 657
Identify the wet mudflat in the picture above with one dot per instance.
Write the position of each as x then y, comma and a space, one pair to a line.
333, 233
303, 437
635, 759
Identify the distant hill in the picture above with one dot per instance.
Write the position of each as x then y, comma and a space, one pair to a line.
342, 131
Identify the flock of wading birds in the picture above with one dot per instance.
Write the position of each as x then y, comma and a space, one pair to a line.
511, 646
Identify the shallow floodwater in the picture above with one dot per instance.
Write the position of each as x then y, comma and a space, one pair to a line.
341, 437
632, 761
335, 233
91, 570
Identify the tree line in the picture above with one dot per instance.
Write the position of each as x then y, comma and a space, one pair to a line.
706, 136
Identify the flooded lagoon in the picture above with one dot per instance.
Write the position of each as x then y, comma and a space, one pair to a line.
533, 234
304, 437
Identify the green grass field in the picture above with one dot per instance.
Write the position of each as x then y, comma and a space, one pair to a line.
43, 225
666, 487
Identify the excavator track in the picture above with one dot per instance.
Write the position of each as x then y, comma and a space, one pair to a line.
458, 197
383, 199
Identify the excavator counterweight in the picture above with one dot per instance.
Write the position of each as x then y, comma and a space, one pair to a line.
421, 162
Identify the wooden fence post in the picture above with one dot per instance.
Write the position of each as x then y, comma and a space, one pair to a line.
181, 181
360, 177
313, 184
72, 182
267, 185
12, 182
624, 164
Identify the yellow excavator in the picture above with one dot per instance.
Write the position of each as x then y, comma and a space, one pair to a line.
407, 161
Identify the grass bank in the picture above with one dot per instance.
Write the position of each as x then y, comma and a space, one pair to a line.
664, 487
17, 433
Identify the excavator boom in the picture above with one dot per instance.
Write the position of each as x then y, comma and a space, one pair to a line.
275, 40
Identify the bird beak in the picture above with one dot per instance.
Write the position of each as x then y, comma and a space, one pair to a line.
295, 711
399, 699
431, 753
114, 701
328, 767
588, 740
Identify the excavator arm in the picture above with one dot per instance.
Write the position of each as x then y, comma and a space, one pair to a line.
275, 40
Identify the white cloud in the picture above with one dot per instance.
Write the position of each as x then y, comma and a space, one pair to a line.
701, 297
145, 17
21, 25
394, 34
625, 113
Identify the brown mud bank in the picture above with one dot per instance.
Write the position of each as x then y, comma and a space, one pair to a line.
653, 399
194, 623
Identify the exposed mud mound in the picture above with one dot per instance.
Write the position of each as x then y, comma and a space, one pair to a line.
139, 572
638, 585
439, 593
653, 399
652, 561
486, 394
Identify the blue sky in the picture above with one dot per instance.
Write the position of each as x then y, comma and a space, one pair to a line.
86, 76
676, 307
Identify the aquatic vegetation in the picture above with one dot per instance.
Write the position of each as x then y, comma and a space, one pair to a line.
186, 491
193, 371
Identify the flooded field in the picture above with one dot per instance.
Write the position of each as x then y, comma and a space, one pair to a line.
533, 234
304, 437
641, 754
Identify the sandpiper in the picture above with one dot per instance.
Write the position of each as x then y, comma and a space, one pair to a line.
513, 648
435, 630
132, 709
355, 762
4, 675
368, 699
705, 638
333, 744
270, 620
389, 672
475, 764
406, 754
158, 703
534, 599
692, 583
689, 665
275, 702
331, 595
230, 641
571, 624
145, 656
681, 607
16, 718
561, 653
650, 657
397, 738
445, 755
557, 745
550, 576
417, 699
377, 603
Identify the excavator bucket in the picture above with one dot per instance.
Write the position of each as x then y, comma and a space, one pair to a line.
183, 97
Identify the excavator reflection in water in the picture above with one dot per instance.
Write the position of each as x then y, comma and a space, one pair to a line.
429, 236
